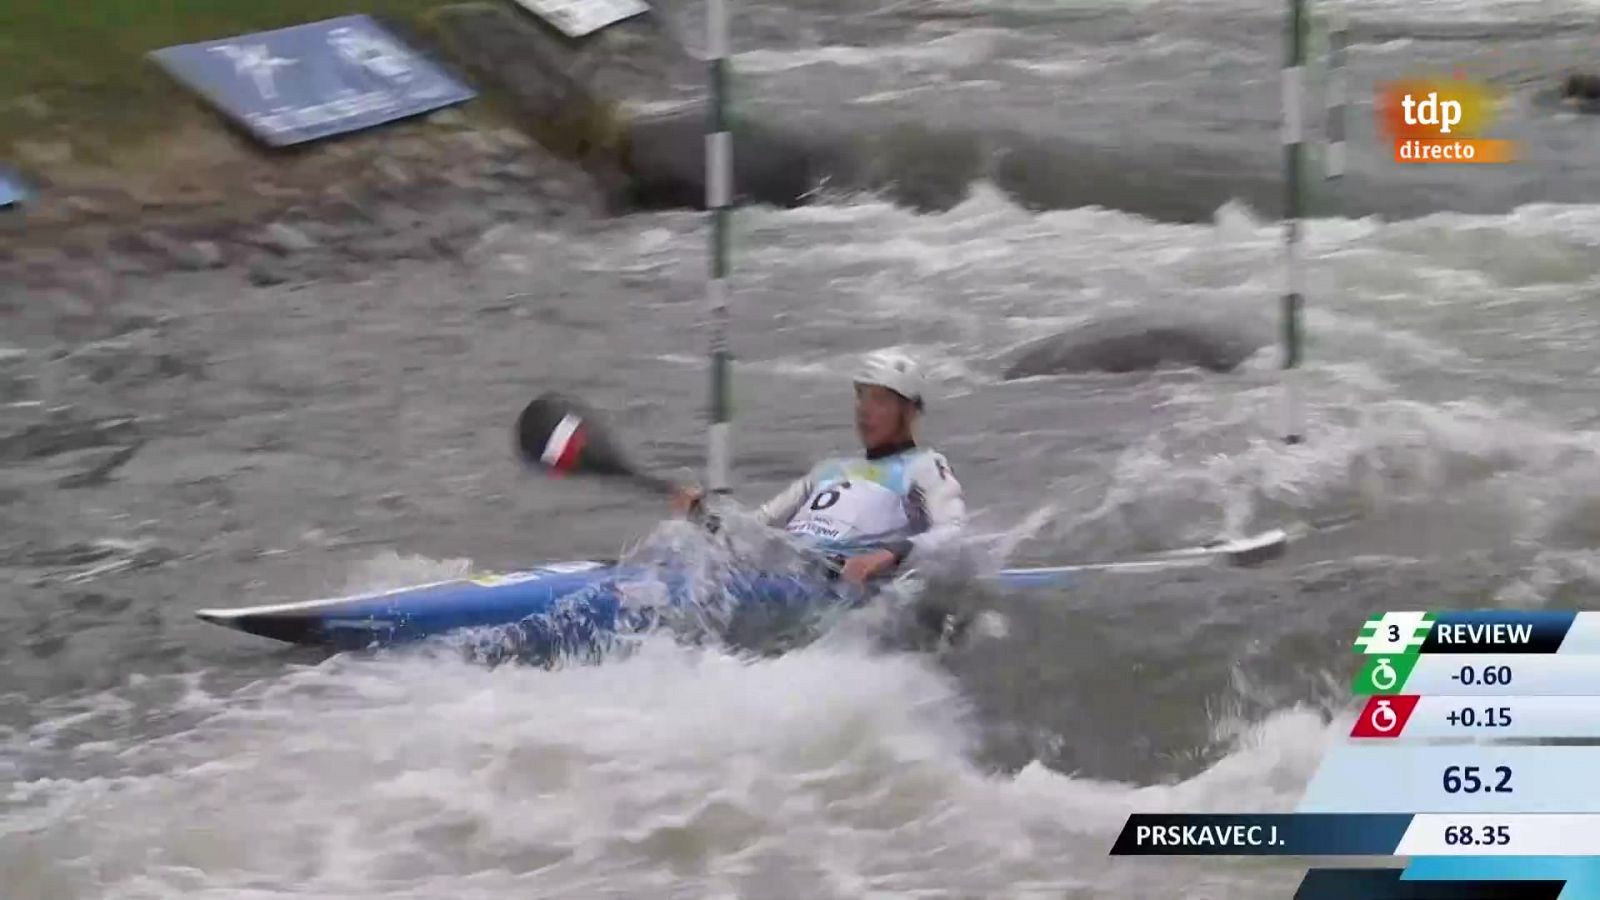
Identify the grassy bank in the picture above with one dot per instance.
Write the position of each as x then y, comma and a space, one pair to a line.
77, 71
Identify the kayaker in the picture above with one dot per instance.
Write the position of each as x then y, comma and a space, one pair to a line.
897, 502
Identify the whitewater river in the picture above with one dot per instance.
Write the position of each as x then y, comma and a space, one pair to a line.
311, 440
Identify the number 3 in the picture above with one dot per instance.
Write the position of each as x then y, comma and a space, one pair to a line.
1394, 633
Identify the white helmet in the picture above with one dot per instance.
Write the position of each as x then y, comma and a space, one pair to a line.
893, 370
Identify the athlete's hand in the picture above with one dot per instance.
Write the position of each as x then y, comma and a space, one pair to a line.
858, 569
685, 499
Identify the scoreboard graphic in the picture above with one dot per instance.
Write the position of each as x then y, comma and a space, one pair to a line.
1475, 754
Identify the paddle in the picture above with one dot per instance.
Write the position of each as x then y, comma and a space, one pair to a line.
563, 436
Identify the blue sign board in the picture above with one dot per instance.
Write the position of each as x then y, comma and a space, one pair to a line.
12, 189
311, 81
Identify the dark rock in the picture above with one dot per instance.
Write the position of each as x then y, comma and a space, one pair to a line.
577, 98
924, 168
1582, 85
566, 90
1133, 344
567, 93
1582, 90
666, 162
265, 273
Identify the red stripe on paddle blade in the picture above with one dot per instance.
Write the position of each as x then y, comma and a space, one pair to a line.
567, 456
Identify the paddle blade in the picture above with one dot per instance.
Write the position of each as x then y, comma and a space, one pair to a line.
561, 435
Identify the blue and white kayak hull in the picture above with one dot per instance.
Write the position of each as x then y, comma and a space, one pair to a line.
565, 603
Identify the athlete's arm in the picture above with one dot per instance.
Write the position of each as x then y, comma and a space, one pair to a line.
943, 508
777, 512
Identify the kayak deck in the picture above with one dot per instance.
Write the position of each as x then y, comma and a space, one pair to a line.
563, 604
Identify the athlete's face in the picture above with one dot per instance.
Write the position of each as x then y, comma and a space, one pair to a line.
882, 416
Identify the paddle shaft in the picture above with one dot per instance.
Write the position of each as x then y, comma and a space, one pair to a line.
653, 483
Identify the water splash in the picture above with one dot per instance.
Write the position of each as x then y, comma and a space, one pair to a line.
677, 769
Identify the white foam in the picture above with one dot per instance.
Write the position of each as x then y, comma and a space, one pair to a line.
949, 51
1463, 11
416, 776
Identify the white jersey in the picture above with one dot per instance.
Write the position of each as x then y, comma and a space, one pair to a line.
909, 502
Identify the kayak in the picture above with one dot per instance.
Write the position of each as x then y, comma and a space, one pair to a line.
573, 605
555, 605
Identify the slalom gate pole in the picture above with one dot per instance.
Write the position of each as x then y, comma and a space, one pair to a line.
719, 198
1293, 151
1334, 93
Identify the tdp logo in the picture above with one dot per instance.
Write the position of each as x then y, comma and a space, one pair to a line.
1440, 120
1444, 115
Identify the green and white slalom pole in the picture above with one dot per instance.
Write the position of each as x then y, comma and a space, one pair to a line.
1293, 150
719, 197
1334, 93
